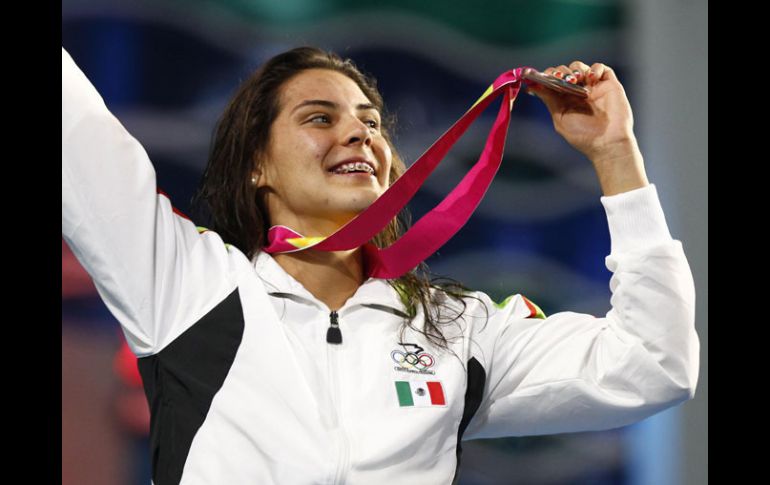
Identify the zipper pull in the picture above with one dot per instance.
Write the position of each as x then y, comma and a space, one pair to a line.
333, 335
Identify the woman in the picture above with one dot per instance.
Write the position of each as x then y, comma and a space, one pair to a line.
294, 367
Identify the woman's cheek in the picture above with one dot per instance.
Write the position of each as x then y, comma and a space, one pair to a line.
386, 161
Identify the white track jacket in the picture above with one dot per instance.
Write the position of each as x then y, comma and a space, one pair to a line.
245, 389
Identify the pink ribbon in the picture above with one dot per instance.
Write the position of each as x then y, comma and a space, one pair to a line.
436, 227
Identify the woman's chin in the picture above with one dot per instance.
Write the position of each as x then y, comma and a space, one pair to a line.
347, 210
356, 200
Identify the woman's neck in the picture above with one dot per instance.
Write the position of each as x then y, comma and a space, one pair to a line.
330, 276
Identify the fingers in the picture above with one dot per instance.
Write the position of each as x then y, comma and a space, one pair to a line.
580, 73
602, 72
573, 74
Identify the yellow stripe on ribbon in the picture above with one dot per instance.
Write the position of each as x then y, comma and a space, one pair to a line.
486, 93
303, 242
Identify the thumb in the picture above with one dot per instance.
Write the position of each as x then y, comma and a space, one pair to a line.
549, 97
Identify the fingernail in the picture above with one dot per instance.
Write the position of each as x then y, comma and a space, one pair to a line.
577, 74
558, 74
570, 78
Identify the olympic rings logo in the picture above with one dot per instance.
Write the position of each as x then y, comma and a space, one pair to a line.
419, 361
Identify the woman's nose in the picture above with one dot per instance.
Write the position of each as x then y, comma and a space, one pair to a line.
359, 132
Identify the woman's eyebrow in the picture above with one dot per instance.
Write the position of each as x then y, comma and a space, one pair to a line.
331, 104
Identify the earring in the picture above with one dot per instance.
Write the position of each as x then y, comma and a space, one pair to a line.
253, 180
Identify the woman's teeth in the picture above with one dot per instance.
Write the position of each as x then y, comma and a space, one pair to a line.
354, 167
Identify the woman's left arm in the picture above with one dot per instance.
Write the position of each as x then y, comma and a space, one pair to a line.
574, 372
599, 126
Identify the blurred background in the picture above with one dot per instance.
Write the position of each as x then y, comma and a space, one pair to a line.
166, 69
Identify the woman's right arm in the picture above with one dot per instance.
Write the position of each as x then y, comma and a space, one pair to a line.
154, 270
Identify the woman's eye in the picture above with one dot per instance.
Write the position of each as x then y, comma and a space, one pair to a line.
326, 119
319, 117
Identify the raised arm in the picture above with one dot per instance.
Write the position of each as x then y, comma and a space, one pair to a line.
154, 270
575, 372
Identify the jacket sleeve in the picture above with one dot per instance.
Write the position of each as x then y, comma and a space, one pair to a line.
153, 268
572, 372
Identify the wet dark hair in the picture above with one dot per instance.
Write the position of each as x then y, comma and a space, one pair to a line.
232, 206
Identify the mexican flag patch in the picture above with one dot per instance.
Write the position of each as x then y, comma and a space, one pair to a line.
420, 393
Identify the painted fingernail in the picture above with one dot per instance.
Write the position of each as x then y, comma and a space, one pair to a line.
570, 78
577, 74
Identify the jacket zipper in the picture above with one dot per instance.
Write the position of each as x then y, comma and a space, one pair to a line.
333, 351
333, 334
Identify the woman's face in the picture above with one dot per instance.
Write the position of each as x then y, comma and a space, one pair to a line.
324, 120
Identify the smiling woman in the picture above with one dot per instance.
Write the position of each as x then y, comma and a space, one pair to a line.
293, 367
277, 159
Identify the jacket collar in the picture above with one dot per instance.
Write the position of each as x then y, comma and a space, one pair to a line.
375, 293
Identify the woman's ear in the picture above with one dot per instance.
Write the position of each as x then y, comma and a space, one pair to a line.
257, 172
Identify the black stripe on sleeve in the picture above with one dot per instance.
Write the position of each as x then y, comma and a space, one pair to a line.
180, 383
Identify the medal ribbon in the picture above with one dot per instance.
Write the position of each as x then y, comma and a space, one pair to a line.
436, 227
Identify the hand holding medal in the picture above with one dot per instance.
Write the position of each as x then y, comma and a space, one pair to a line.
593, 122
598, 124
